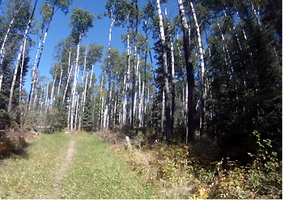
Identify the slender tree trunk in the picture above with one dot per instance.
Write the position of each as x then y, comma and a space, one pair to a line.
83, 96
70, 69
107, 112
1, 80
172, 72
190, 75
75, 84
91, 77
19, 57
46, 99
135, 71
83, 102
52, 92
125, 105
21, 73
60, 81
2, 50
165, 69
34, 78
162, 115
102, 101
203, 80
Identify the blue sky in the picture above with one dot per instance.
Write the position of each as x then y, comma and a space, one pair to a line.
99, 34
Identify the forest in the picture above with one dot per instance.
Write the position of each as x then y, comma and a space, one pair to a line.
208, 80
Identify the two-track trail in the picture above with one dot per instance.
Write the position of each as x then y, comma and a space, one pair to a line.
74, 166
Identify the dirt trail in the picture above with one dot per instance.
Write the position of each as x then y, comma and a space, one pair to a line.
62, 171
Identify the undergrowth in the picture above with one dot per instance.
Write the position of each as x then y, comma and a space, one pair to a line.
191, 172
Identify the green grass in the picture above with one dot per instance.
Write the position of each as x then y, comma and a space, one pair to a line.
32, 176
95, 172
98, 173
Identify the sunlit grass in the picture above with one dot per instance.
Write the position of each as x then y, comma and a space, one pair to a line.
98, 173
32, 177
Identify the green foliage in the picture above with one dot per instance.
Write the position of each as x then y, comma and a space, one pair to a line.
81, 21
261, 180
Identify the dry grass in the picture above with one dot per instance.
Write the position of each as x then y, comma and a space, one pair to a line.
165, 167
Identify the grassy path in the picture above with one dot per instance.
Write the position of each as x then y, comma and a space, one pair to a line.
61, 166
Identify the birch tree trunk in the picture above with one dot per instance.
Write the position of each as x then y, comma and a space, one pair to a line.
52, 92
165, 69
83, 95
172, 71
46, 99
34, 78
60, 81
127, 75
19, 57
162, 115
83, 102
21, 72
2, 50
70, 69
202, 85
107, 112
75, 84
102, 101
1, 80
190, 75
133, 107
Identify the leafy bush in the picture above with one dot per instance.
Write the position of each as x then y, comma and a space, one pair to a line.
260, 180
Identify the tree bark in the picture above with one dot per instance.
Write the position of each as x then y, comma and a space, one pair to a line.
165, 69
19, 57
203, 80
172, 72
190, 75
135, 71
1, 80
60, 81
70, 69
75, 84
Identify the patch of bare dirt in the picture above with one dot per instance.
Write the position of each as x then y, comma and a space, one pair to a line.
63, 169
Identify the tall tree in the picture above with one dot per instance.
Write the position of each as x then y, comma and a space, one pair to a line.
81, 21
165, 71
21, 52
190, 74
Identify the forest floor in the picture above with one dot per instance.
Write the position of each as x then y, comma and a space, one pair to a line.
101, 166
70, 166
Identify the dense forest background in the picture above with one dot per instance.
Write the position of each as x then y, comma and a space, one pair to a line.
212, 74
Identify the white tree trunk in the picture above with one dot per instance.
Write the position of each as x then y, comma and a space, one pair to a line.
52, 92
70, 69
60, 81
2, 50
14, 78
165, 69
46, 99
75, 84
83, 95
163, 114
91, 77
21, 72
1, 80
202, 86
34, 78
83, 102
102, 101
19, 57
